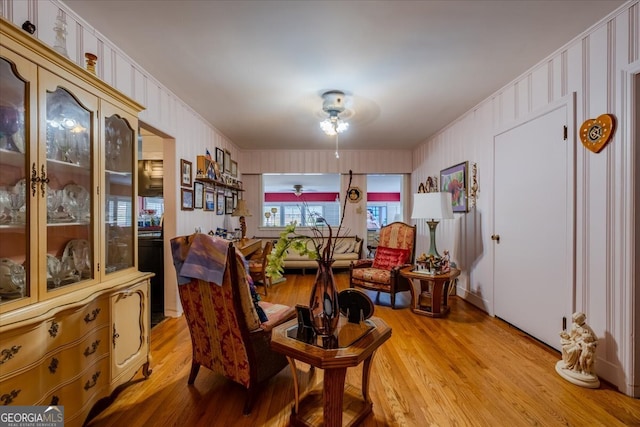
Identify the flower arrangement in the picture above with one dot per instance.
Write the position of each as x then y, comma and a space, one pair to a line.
322, 247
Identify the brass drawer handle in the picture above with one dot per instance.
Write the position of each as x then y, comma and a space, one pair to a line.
92, 383
53, 330
7, 398
53, 366
90, 317
8, 353
90, 350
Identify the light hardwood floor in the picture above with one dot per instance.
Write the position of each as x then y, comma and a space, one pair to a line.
467, 369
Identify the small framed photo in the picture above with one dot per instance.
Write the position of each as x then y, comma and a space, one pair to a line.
220, 159
235, 200
209, 199
227, 161
228, 205
304, 316
234, 168
454, 180
185, 173
198, 193
186, 199
354, 194
220, 204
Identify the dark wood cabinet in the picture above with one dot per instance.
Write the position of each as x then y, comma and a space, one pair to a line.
150, 259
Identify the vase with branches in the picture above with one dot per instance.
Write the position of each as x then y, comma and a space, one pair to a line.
320, 245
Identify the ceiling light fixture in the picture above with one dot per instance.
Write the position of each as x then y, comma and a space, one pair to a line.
333, 105
297, 190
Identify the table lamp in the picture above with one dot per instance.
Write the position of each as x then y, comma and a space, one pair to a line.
241, 210
433, 207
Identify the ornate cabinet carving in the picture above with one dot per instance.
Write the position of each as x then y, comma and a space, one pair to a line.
74, 309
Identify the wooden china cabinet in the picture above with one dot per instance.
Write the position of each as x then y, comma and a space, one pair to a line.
74, 310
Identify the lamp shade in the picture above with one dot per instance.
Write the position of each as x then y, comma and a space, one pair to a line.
432, 206
241, 209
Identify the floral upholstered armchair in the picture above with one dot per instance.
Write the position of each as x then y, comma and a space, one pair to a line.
396, 249
230, 330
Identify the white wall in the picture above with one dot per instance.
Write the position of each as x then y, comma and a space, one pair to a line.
598, 67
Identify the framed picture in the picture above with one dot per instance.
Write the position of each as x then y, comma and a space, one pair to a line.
209, 199
186, 199
227, 161
198, 193
228, 205
220, 158
185, 173
354, 194
220, 204
234, 168
454, 180
235, 200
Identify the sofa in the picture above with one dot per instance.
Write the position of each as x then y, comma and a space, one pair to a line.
347, 249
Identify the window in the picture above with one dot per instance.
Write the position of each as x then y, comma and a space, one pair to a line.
300, 198
383, 198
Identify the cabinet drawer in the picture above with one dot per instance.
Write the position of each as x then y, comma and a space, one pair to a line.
69, 362
75, 395
21, 347
23, 389
70, 325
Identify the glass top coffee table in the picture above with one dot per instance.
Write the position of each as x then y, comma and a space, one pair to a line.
331, 403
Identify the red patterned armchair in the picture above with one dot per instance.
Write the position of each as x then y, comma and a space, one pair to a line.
396, 249
227, 334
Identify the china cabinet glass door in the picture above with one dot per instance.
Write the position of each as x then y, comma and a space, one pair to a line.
119, 190
16, 198
68, 190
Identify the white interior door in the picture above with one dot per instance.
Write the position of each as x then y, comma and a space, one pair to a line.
534, 219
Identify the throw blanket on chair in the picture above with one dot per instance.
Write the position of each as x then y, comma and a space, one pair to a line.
199, 256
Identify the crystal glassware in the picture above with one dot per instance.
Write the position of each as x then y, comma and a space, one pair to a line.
16, 201
81, 261
64, 145
54, 201
59, 270
19, 277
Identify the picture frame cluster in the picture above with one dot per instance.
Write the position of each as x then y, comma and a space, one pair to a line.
216, 186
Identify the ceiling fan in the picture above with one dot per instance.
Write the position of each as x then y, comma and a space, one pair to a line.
333, 104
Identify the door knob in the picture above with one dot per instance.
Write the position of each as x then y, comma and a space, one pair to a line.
495, 237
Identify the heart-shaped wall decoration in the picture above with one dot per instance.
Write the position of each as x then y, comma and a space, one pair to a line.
596, 133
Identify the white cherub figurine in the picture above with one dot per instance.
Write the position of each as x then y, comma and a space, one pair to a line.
578, 353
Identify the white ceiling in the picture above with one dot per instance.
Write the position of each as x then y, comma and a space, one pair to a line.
256, 69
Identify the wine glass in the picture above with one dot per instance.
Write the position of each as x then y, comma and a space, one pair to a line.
59, 270
64, 145
16, 201
4, 202
18, 277
81, 260
82, 203
54, 201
